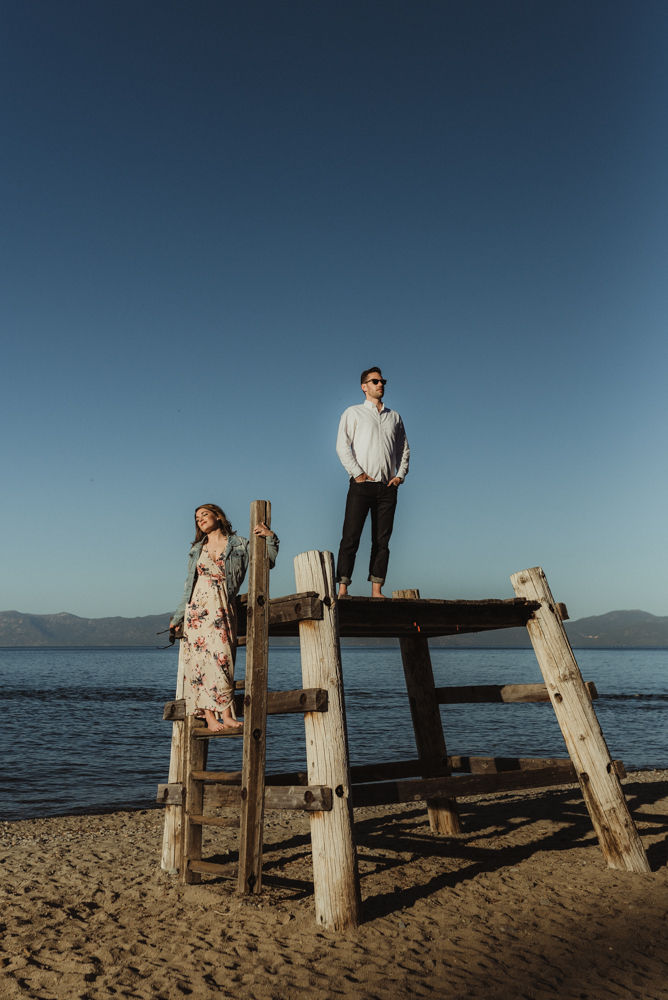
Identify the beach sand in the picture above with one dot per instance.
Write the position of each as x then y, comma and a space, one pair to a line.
520, 906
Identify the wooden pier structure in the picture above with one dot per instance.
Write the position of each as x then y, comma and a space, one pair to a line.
330, 788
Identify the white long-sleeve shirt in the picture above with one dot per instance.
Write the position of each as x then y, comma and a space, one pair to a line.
374, 442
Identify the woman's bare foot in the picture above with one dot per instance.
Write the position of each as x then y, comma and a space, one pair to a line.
375, 590
343, 590
229, 722
213, 725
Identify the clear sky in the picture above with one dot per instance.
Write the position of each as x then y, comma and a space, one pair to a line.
216, 214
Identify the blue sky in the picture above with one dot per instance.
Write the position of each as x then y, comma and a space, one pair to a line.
216, 214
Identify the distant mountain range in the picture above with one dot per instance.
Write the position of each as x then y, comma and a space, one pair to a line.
18, 629
617, 629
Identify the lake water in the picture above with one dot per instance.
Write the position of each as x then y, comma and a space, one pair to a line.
82, 729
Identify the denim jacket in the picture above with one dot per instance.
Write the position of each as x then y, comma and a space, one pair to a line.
236, 564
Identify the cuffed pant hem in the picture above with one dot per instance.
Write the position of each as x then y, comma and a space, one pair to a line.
376, 579
344, 579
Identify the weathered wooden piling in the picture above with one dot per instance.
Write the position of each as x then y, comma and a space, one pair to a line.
338, 904
426, 716
255, 706
601, 788
171, 838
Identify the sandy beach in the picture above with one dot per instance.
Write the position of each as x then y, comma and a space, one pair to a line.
521, 906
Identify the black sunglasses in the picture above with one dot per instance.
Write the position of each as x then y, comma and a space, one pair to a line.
375, 381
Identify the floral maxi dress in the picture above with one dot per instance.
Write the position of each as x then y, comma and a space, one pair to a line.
209, 638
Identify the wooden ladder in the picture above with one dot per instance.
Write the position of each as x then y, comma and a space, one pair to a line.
200, 791
323, 791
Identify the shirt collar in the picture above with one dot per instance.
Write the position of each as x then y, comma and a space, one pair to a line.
372, 406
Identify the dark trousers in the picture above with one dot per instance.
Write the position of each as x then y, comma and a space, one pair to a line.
381, 500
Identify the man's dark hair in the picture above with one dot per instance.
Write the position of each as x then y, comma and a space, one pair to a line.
367, 372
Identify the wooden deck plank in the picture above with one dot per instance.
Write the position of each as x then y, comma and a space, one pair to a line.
397, 617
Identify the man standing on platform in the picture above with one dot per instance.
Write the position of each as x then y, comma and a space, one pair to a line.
374, 452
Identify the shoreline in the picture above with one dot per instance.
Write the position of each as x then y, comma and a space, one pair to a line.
153, 806
521, 905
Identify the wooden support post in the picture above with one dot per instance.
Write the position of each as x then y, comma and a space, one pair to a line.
338, 903
171, 838
426, 716
601, 788
194, 759
255, 707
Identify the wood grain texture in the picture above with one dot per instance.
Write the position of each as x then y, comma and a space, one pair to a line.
234, 778
309, 798
390, 792
194, 759
338, 904
393, 770
496, 765
601, 788
231, 822
205, 734
255, 719
282, 610
427, 726
170, 795
211, 868
507, 693
171, 838
278, 703
380, 617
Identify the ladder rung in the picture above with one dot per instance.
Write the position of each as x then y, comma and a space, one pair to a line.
203, 733
234, 777
210, 868
232, 871
278, 703
220, 777
311, 798
230, 821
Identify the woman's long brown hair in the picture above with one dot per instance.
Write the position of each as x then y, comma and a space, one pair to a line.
223, 522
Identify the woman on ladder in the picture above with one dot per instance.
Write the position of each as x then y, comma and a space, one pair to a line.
205, 618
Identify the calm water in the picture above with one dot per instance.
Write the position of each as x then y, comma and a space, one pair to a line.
82, 728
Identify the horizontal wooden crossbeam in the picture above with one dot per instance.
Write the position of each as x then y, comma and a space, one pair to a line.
232, 870
310, 798
228, 821
315, 699
203, 733
396, 617
371, 787
278, 703
386, 770
367, 616
499, 765
507, 693
390, 792
211, 868
283, 610
170, 795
